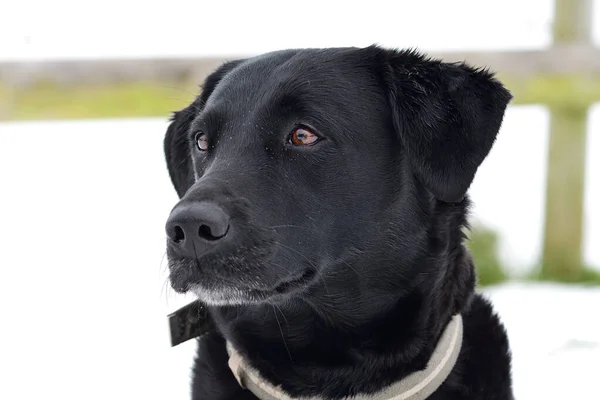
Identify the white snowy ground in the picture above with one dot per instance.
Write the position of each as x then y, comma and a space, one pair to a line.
554, 333
82, 304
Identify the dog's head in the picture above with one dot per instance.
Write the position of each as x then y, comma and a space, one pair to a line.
300, 164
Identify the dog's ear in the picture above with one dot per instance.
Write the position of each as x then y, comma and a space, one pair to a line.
176, 143
447, 116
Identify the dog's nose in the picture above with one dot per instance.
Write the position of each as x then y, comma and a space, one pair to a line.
195, 228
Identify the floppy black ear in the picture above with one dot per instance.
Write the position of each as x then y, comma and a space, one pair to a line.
447, 116
176, 143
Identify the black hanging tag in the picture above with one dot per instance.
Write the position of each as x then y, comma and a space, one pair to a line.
190, 321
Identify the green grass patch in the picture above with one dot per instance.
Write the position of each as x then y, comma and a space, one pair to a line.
54, 101
585, 275
483, 244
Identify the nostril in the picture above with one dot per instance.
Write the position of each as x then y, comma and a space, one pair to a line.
206, 233
179, 235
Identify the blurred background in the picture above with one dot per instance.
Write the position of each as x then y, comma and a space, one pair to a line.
85, 92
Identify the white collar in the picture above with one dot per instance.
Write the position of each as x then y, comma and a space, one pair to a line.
416, 386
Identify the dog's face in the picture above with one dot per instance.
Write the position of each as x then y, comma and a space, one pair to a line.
300, 164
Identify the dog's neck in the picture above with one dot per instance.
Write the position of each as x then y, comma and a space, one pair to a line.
418, 385
324, 346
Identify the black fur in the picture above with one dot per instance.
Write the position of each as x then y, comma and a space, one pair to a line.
372, 217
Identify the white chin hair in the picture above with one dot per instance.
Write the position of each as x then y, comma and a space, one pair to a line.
221, 297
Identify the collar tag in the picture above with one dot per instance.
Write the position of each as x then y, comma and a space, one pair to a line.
190, 321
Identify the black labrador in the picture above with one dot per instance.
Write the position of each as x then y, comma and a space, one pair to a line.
322, 222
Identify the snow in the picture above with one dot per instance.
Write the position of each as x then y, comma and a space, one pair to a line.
82, 294
554, 333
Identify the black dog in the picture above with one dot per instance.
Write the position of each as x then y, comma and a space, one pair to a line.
322, 220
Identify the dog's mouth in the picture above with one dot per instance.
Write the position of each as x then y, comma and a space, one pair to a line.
227, 295
294, 284
214, 290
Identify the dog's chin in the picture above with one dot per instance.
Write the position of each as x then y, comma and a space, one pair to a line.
236, 295
225, 296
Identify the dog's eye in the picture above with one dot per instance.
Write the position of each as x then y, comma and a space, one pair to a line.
202, 141
302, 136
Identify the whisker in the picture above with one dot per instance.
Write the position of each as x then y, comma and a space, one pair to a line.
352, 268
177, 88
282, 336
283, 315
325, 284
163, 267
166, 290
283, 246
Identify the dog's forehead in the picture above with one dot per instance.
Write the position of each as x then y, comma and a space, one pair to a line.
282, 73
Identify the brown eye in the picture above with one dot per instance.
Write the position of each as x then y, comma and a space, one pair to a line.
303, 137
202, 141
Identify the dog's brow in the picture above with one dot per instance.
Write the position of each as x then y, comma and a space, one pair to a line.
289, 103
210, 121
